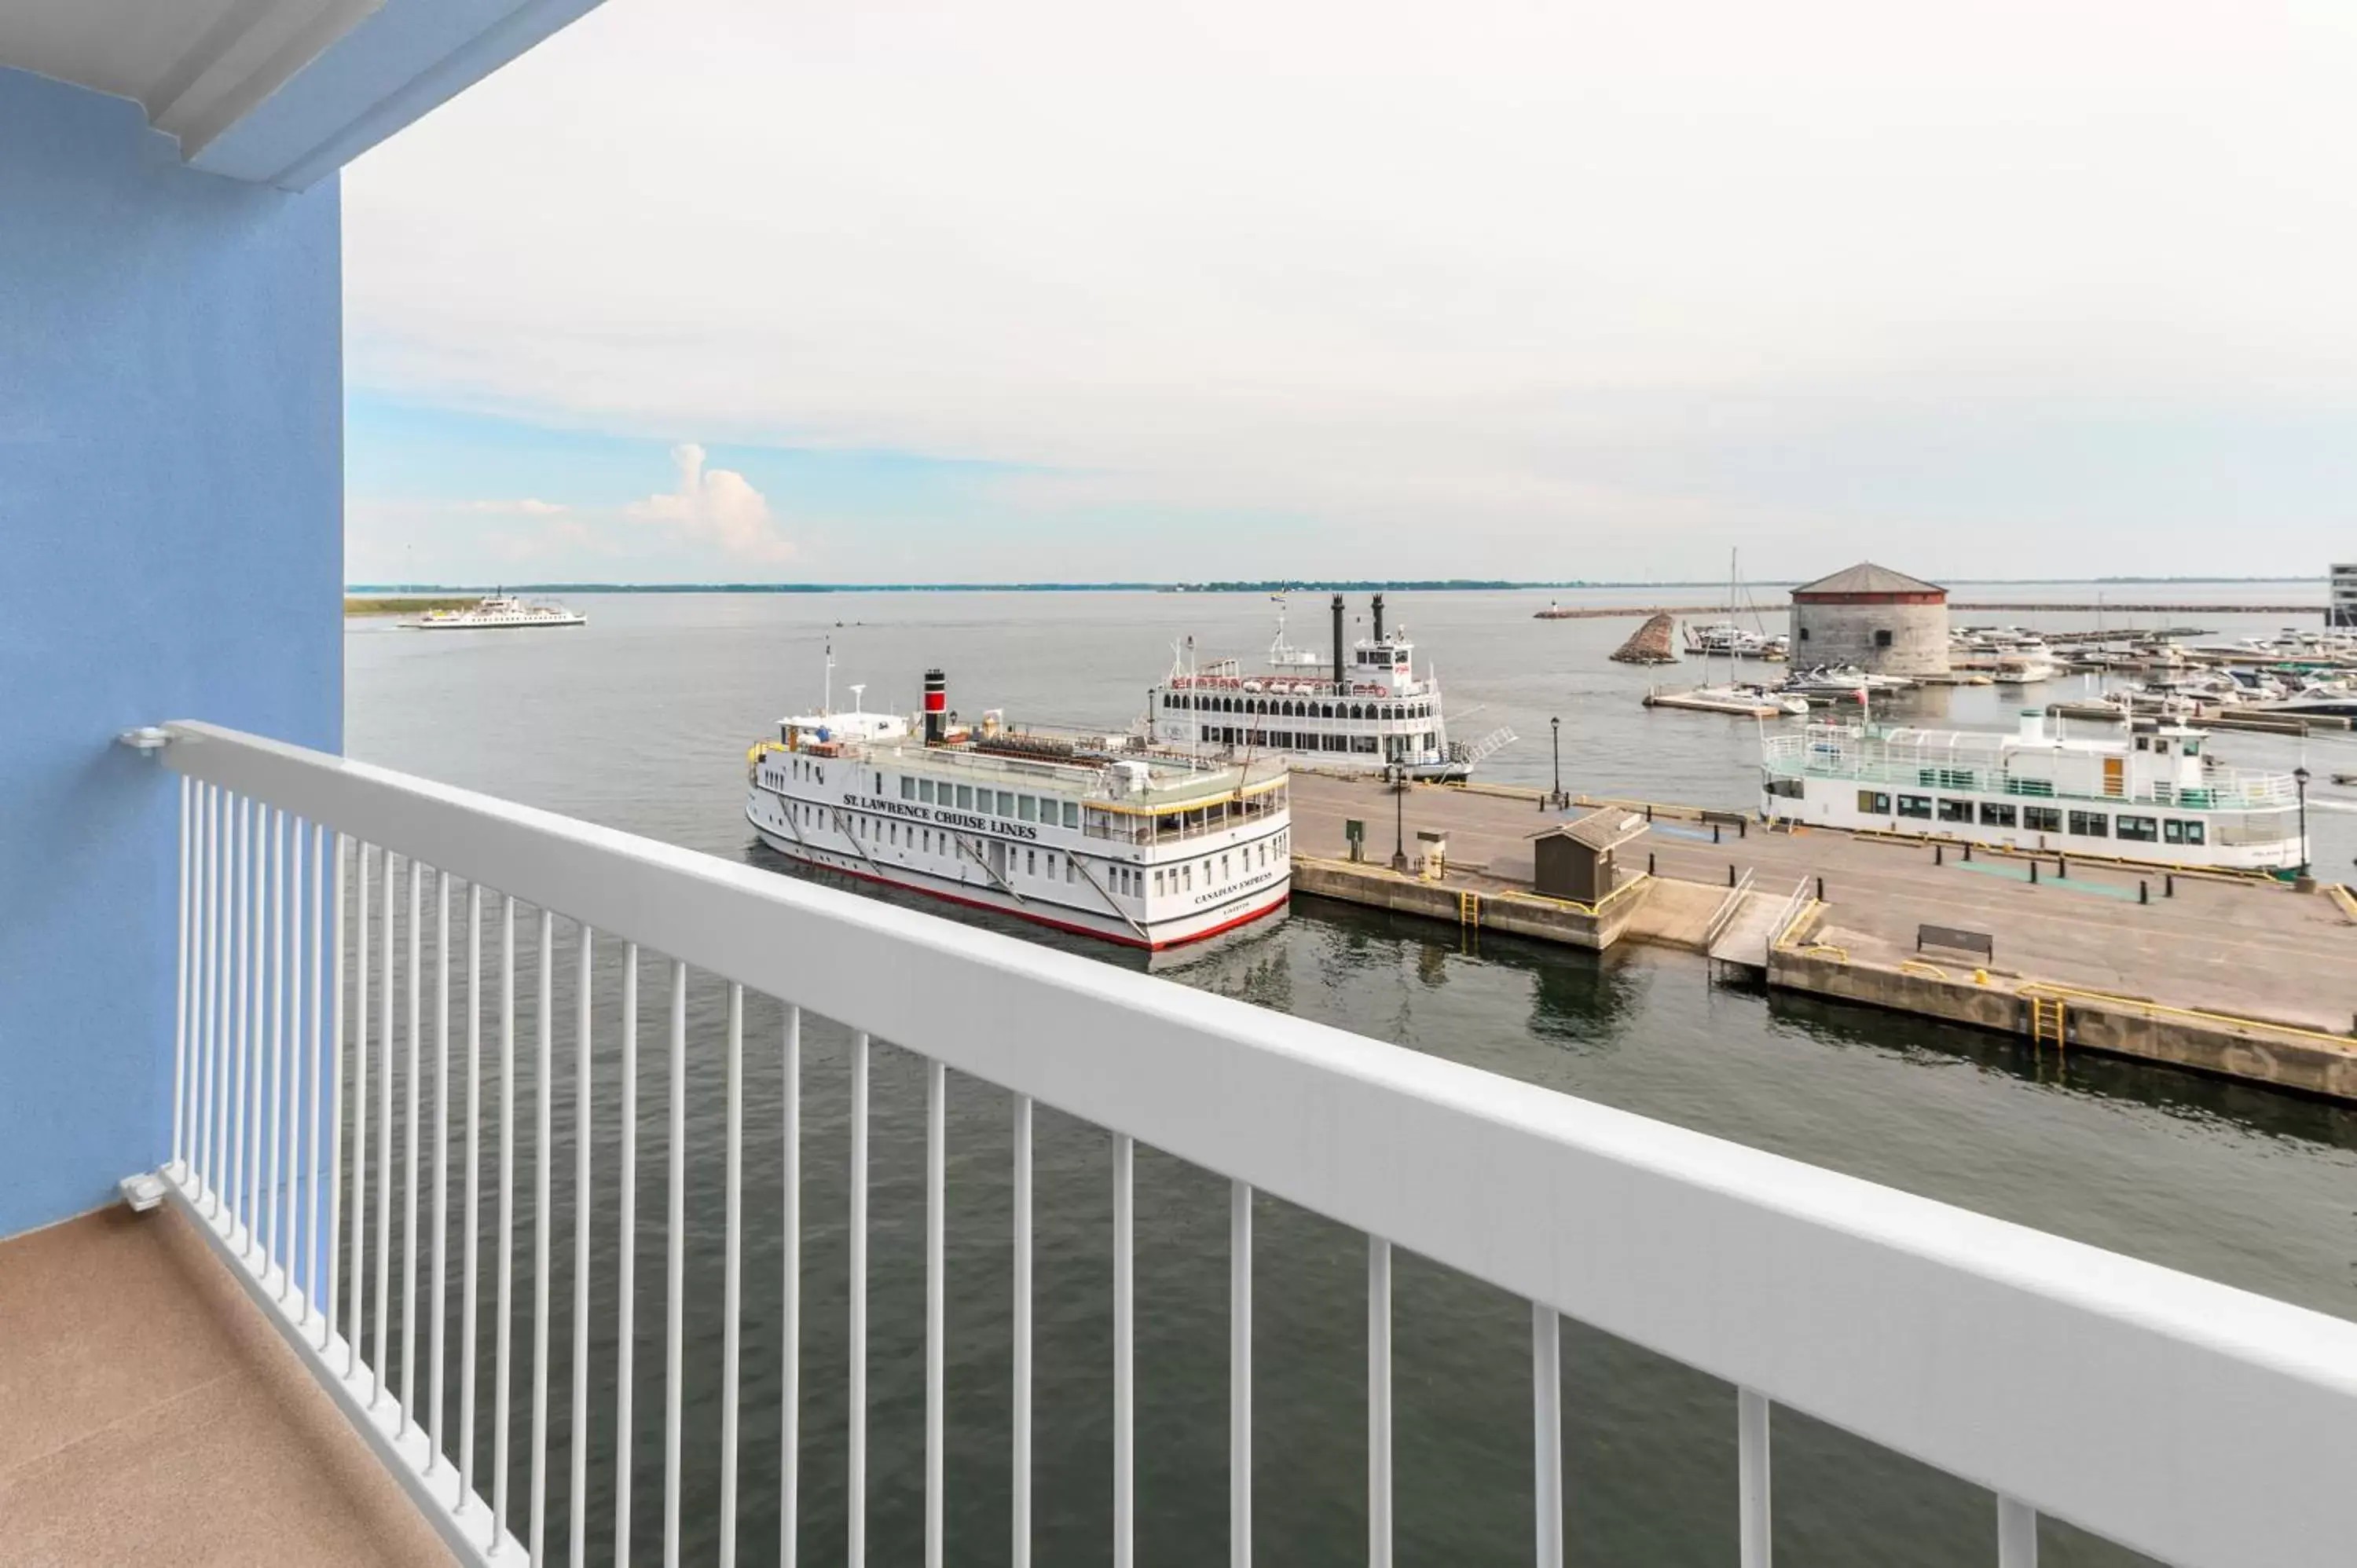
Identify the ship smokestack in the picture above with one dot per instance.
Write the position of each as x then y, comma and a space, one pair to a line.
937, 706
1378, 618
1339, 676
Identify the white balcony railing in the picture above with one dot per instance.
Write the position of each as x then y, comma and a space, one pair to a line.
2195, 1423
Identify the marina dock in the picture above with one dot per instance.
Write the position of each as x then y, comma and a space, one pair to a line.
2236, 975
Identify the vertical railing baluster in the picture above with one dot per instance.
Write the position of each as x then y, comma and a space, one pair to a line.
277, 1099
627, 1286
1125, 1348
789, 1379
2017, 1534
241, 938
389, 1056
855, 1458
471, 1246
543, 1164
675, 1263
180, 989
438, 1326
332, 1069
258, 877
1546, 1436
409, 1153
936, 1219
290, 1196
1379, 1402
577, 1507
224, 994
732, 1275
355, 1301
217, 963
1752, 1478
502, 1370
1021, 1434
200, 1133
1240, 1376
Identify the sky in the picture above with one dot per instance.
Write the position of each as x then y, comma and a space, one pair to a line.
1535, 289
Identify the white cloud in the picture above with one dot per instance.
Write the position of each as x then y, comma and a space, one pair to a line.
526, 507
1576, 271
718, 507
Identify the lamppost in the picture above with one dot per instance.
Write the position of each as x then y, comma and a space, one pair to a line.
1555, 728
1398, 771
2300, 776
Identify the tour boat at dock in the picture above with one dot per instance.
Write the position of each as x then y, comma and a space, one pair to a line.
497, 612
1369, 710
2147, 793
1094, 833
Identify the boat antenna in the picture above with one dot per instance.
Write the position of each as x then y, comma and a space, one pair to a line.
826, 702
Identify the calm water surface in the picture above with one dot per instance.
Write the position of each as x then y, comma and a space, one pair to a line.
640, 720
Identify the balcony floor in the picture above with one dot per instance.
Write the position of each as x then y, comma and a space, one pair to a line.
155, 1415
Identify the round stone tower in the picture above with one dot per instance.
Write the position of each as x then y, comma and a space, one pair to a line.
1882, 621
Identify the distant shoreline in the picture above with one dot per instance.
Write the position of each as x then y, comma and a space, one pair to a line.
409, 594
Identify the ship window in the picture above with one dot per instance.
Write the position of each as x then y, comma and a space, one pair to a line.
1186, 874
1030, 863
879, 784
1882, 637
1028, 808
2172, 832
1006, 803
964, 796
1873, 804
1072, 813
2042, 818
2195, 833
1224, 868
1052, 865
1366, 743
1996, 815
1908, 805
1955, 811
1071, 874
2142, 829
2090, 824
925, 790
1789, 788
1158, 884
1804, 634
908, 788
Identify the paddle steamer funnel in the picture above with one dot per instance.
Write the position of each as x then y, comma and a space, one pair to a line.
937, 706
1339, 676
1378, 618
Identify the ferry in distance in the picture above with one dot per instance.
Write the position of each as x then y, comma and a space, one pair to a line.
1367, 710
2152, 793
1099, 834
500, 611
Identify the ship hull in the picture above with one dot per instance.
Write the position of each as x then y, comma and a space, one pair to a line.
971, 889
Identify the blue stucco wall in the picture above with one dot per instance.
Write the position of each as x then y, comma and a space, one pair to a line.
171, 546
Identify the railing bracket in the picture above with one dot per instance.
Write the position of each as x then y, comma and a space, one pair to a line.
146, 737
143, 1191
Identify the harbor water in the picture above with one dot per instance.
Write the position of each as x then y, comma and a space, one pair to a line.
640, 721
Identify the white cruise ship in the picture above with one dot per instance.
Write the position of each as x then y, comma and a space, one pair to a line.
500, 611
1093, 833
1367, 709
2150, 793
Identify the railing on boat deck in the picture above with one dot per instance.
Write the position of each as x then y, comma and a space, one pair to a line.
2199, 1424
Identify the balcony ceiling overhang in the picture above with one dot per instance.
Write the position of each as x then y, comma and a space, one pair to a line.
276, 91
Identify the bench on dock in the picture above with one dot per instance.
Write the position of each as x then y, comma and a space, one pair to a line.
1956, 941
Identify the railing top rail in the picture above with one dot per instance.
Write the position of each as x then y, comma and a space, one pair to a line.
2194, 1422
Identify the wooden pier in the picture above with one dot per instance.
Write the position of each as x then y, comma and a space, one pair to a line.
2236, 975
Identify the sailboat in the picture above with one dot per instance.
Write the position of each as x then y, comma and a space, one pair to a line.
1726, 637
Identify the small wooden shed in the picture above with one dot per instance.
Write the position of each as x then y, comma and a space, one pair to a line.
1574, 860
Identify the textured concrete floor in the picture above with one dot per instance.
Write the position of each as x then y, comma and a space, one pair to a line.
153, 1416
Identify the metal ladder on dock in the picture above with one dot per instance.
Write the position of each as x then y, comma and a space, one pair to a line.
1468, 910
2047, 1022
